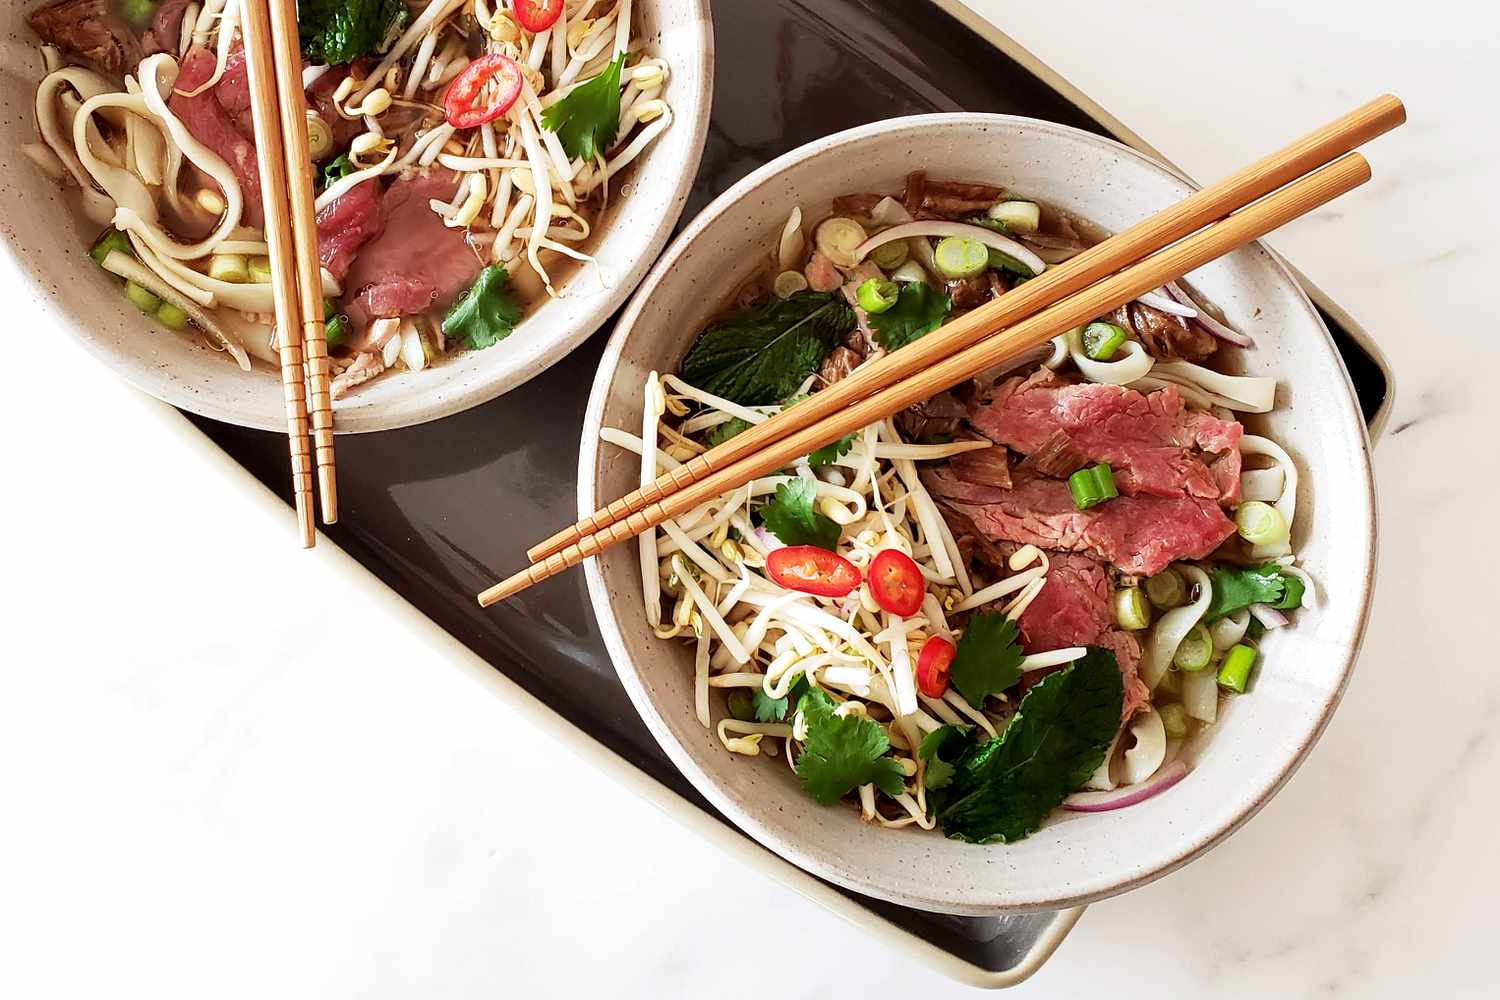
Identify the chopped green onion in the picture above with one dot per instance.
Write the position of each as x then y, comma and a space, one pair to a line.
259, 270
838, 238
229, 267
1261, 524
172, 317
319, 136
889, 256
1174, 720
138, 12
876, 295
335, 324
959, 257
1093, 485
1234, 672
1131, 609
742, 705
1102, 340
1005, 262
141, 298
1166, 589
1017, 216
112, 239
1195, 650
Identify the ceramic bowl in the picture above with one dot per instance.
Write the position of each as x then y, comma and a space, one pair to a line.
1260, 737
50, 243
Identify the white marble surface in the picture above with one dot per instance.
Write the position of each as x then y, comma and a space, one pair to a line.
210, 791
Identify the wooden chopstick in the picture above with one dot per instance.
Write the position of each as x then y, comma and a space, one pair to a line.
270, 152
1192, 213
304, 221
988, 349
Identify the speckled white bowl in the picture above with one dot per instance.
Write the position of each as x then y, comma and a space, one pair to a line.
50, 243
1260, 738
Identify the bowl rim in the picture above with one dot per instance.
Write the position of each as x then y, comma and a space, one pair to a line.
1084, 890
526, 365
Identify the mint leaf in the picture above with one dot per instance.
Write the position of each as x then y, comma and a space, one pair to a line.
1239, 587
988, 660
486, 314
918, 311
588, 119
723, 432
761, 355
840, 754
939, 749
791, 517
340, 31
1002, 790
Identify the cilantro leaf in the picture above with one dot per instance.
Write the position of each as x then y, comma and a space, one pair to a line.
830, 453
1239, 587
994, 225
768, 709
918, 311
940, 748
761, 355
486, 314
791, 517
588, 119
988, 659
840, 754
1003, 789
340, 31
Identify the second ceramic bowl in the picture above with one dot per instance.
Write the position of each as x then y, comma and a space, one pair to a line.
1259, 739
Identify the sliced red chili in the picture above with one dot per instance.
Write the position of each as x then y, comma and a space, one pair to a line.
896, 583
484, 91
538, 15
933, 666
812, 570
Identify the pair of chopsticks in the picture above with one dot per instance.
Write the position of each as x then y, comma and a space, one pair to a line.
1202, 227
279, 109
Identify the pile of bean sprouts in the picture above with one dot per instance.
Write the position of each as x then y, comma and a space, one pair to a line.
519, 197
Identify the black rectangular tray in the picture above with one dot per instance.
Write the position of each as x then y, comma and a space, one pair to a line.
436, 511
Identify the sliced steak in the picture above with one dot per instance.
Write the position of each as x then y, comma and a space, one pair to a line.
1152, 442
856, 205
89, 30
416, 263
346, 225
1164, 336
1058, 456
165, 32
839, 363
211, 125
987, 467
1137, 534
968, 293
938, 417
1075, 608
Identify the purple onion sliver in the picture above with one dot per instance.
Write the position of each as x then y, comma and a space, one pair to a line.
1206, 319
1161, 301
1268, 616
1130, 794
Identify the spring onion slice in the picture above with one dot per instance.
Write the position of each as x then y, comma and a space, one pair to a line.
1174, 625
941, 229
131, 269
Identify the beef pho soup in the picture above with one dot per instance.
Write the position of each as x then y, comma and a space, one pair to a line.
463, 153
1023, 594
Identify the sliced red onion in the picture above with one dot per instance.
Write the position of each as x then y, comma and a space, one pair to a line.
768, 541
1164, 303
1268, 616
1206, 319
939, 228
1130, 794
